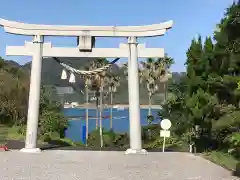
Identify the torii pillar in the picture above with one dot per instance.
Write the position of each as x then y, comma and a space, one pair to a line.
34, 96
85, 35
133, 95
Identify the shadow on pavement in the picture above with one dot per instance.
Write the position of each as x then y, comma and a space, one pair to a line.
59, 145
17, 145
54, 144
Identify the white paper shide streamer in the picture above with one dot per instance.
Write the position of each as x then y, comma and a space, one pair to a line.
81, 72
72, 78
64, 74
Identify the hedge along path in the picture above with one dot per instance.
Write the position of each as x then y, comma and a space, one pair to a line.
3, 134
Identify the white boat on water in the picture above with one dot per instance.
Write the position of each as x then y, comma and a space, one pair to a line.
65, 107
119, 108
70, 105
115, 106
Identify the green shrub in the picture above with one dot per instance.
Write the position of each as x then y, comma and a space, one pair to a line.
235, 139
158, 143
222, 159
80, 144
150, 119
121, 140
150, 132
70, 142
22, 130
46, 137
52, 122
17, 132
110, 139
234, 144
94, 139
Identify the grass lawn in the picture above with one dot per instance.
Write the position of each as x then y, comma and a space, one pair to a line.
222, 159
3, 133
13, 133
9, 133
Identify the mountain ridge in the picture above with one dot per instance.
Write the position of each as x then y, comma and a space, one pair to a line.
51, 77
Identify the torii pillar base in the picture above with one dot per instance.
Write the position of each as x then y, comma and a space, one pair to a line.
136, 151
30, 150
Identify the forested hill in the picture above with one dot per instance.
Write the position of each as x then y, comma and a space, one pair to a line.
51, 76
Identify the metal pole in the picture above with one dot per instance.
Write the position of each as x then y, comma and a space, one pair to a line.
97, 110
86, 89
164, 141
111, 110
101, 108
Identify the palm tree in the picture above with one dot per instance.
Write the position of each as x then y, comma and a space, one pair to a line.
113, 82
151, 73
163, 72
96, 87
99, 79
149, 76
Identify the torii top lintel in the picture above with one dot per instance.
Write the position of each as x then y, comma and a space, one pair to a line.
95, 31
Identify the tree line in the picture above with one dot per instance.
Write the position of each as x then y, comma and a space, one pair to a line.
14, 85
205, 104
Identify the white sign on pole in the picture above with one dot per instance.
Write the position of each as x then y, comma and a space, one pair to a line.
166, 124
165, 133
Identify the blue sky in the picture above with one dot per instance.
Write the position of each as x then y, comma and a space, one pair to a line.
191, 17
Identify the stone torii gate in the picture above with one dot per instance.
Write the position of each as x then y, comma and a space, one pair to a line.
85, 36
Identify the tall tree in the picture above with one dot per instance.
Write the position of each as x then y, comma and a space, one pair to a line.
113, 83
227, 52
99, 83
163, 72
96, 83
210, 95
148, 77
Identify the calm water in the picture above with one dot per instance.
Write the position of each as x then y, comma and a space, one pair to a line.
120, 121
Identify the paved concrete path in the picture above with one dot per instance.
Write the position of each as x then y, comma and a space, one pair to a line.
86, 165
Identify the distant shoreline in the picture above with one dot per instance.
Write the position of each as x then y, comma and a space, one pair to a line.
93, 106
